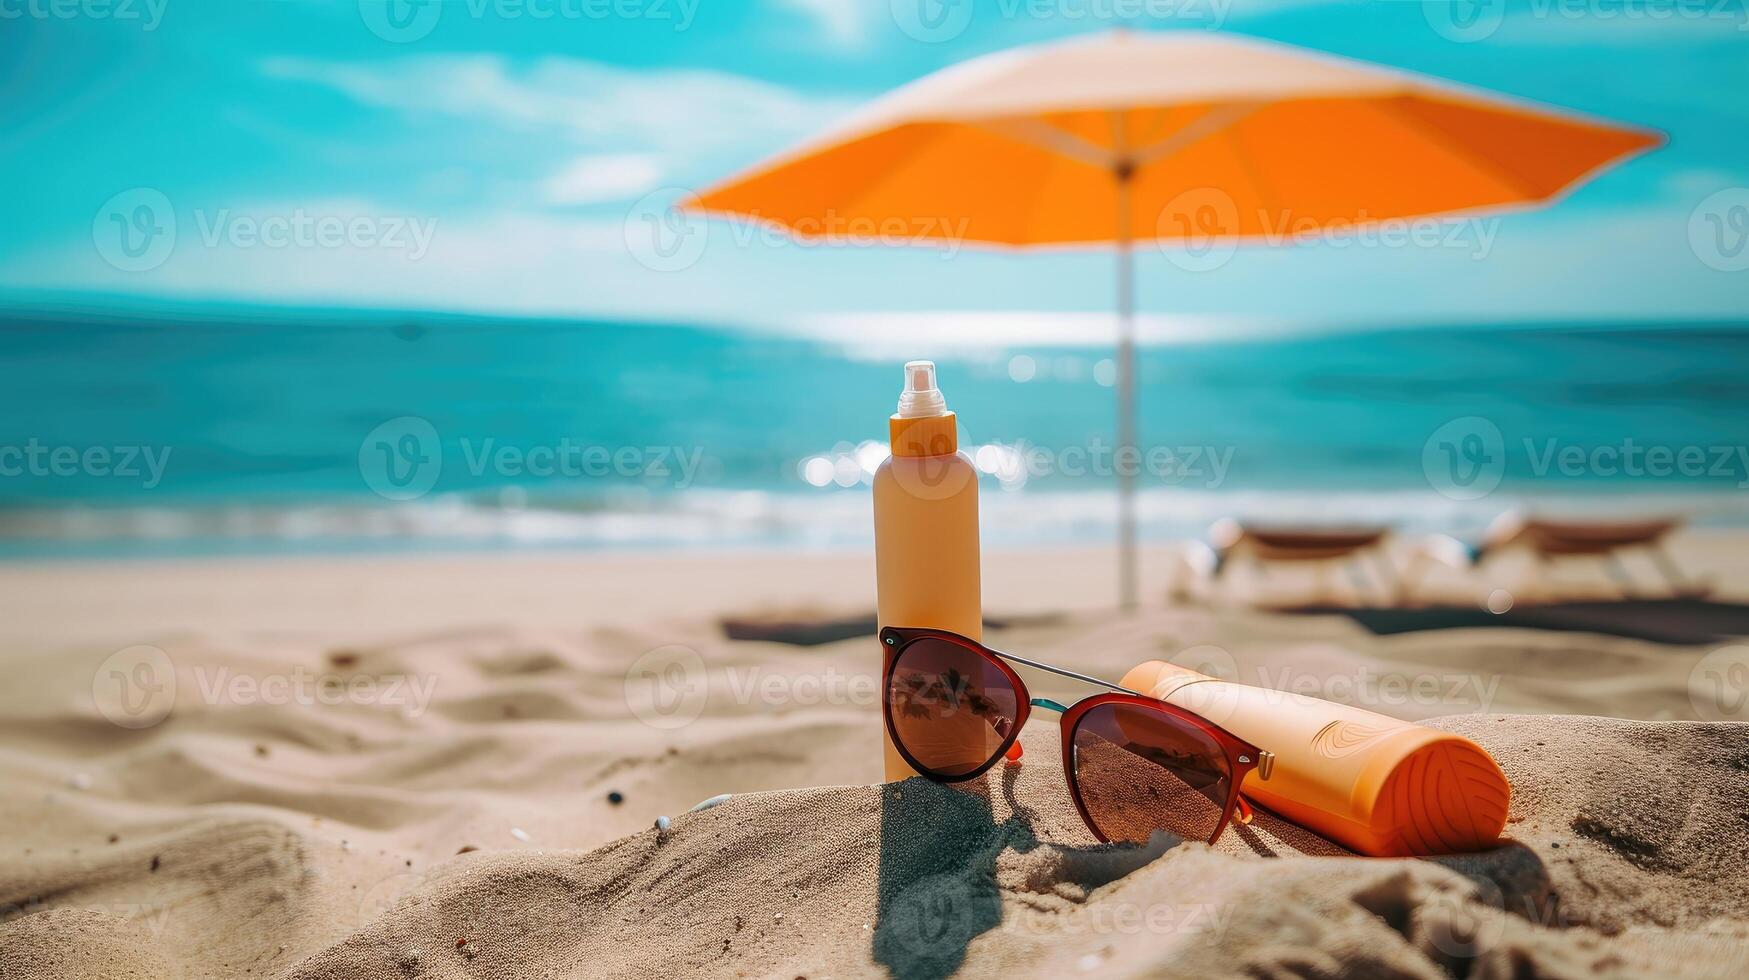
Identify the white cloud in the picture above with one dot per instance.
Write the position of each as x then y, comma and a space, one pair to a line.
601, 177
1695, 183
669, 111
841, 21
1650, 23
1636, 262
886, 335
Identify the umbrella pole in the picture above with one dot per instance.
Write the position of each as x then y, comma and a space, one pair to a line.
1126, 457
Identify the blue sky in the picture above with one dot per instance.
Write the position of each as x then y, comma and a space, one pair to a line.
488, 155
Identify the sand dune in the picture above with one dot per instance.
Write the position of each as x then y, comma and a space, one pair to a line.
305, 822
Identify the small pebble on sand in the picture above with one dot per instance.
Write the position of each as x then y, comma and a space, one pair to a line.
616, 797
519, 834
79, 780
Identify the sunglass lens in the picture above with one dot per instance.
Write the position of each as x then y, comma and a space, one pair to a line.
952, 708
1139, 770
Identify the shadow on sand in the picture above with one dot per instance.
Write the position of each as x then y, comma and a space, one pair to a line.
938, 889
1682, 622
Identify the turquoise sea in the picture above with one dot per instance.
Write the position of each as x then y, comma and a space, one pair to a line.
197, 430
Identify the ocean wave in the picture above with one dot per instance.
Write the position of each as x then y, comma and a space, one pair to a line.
832, 518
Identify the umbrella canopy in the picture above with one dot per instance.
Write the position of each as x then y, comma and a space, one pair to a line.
1125, 136
1019, 147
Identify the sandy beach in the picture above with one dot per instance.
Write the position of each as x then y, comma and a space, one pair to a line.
451, 767
444, 450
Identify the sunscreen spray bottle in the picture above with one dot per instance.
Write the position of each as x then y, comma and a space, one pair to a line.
1381, 786
926, 526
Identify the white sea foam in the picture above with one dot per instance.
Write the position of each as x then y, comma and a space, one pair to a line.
825, 518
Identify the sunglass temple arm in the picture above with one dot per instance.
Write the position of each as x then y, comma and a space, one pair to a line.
1062, 673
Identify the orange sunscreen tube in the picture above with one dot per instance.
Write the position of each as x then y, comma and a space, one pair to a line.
926, 526
1377, 785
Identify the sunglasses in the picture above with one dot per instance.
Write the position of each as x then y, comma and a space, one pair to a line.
1135, 765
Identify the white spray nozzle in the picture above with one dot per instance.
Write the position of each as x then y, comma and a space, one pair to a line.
921, 398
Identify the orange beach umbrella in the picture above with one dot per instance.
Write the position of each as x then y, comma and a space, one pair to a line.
1169, 137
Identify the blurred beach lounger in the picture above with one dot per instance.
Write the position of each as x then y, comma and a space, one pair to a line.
1545, 541
1359, 551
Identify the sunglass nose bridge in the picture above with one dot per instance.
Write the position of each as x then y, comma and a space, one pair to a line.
1050, 705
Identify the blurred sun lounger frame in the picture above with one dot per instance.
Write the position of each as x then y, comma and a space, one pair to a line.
1369, 556
1545, 542
1357, 550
